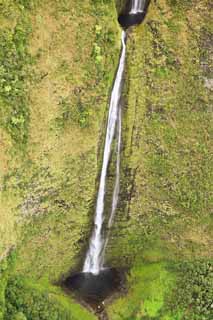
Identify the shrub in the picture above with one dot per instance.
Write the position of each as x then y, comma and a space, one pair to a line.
195, 290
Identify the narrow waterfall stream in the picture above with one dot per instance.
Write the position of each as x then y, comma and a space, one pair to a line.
137, 6
94, 258
96, 281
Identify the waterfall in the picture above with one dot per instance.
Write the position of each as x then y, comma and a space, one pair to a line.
116, 186
137, 6
117, 180
95, 254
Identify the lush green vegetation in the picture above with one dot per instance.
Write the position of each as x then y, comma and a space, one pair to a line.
64, 78
31, 301
194, 290
166, 161
14, 62
6, 268
23, 299
164, 212
150, 284
55, 81
167, 291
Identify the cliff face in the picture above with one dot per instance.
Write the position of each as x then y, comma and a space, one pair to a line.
58, 60
58, 69
164, 213
166, 157
55, 82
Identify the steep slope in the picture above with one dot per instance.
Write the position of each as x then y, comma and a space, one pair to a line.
51, 149
164, 216
58, 60
166, 182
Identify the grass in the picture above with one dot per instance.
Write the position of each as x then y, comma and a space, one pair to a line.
150, 284
166, 290
48, 190
53, 107
14, 60
164, 211
61, 57
166, 159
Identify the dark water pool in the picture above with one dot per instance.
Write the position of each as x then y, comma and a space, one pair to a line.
94, 289
127, 20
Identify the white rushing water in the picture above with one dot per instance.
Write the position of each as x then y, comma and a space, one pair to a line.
95, 254
137, 6
117, 179
116, 186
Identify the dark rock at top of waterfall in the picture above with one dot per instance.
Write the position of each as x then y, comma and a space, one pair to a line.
128, 19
